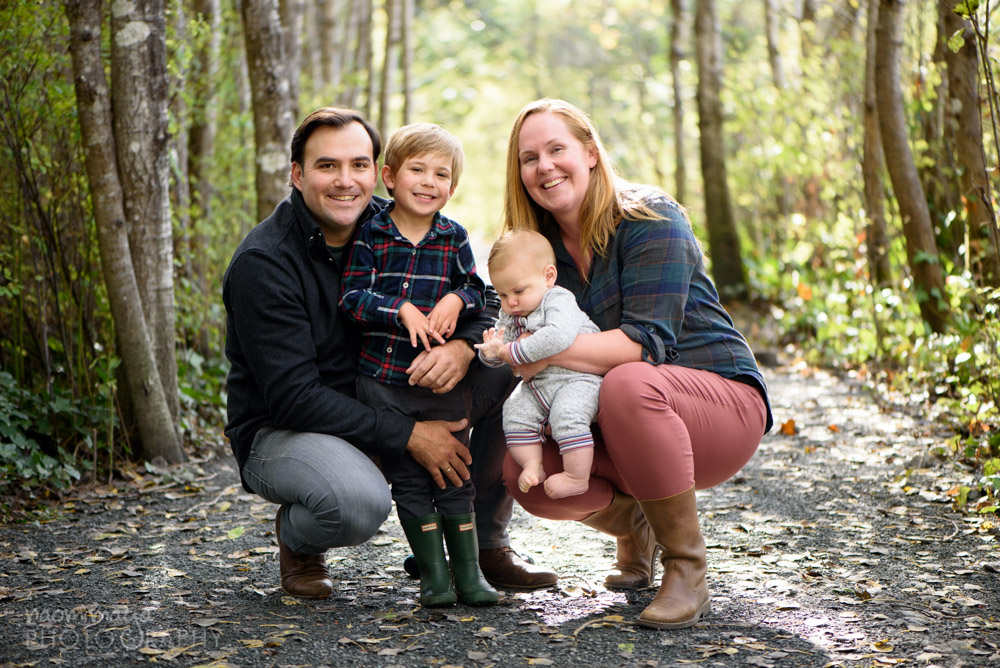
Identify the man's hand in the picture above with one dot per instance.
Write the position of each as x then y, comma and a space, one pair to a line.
417, 325
437, 450
444, 316
442, 367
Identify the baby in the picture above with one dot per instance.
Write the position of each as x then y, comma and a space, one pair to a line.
540, 319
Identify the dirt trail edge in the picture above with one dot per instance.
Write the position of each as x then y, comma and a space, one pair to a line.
836, 546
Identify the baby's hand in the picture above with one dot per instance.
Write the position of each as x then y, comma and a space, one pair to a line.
492, 346
417, 325
444, 316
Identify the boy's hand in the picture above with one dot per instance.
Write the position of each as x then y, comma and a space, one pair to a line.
417, 325
492, 346
444, 316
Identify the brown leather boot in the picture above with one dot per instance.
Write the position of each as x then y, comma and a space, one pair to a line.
503, 567
623, 519
302, 575
682, 599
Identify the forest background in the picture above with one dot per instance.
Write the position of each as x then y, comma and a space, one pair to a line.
838, 159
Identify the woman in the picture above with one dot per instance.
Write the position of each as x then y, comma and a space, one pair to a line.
683, 404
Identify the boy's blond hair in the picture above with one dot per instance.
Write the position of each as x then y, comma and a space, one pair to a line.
420, 138
528, 247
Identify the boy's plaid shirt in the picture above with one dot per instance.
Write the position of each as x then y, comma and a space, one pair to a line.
385, 270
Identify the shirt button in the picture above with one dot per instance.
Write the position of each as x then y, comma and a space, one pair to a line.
414, 251
389, 349
406, 284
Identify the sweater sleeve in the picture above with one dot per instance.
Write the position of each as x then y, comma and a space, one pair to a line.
465, 281
561, 320
273, 326
361, 298
659, 259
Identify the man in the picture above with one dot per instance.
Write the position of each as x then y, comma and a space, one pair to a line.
300, 437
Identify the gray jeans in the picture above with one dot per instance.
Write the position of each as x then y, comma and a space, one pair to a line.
336, 496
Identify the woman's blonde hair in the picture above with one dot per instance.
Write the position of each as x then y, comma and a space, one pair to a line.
608, 198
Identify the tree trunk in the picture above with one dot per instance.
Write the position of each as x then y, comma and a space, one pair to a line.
201, 89
723, 240
843, 22
201, 82
156, 427
406, 35
938, 174
967, 131
773, 54
139, 88
807, 28
291, 31
311, 22
272, 109
872, 162
342, 39
921, 248
677, 39
392, 11
329, 24
180, 184
363, 60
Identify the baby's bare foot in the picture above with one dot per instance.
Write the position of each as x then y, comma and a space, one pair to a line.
531, 476
561, 485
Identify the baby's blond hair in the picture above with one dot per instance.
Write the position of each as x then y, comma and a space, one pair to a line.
526, 246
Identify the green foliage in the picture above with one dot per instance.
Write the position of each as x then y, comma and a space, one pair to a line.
36, 434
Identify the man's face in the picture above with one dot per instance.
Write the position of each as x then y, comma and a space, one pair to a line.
337, 178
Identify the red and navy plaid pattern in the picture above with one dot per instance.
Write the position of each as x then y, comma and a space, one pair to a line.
384, 270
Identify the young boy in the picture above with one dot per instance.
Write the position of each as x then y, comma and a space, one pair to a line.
540, 319
410, 276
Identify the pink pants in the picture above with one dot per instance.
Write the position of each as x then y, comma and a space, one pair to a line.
660, 431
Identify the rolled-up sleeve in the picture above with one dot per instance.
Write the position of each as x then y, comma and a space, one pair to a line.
658, 258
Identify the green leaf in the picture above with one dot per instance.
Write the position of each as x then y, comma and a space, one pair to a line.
966, 8
235, 533
957, 41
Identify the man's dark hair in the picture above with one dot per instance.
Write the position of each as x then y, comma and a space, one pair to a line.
336, 118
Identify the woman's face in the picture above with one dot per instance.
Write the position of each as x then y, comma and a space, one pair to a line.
555, 165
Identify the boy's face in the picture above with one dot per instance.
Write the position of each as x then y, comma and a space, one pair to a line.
521, 290
421, 186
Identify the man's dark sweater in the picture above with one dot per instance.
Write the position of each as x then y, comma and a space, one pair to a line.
293, 354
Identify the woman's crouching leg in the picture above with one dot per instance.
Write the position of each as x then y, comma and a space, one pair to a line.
536, 502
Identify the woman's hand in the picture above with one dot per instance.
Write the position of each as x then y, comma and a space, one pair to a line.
528, 371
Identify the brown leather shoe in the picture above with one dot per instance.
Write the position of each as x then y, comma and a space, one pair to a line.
302, 575
503, 567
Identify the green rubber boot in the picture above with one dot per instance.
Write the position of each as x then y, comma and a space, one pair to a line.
463, 549
424, 536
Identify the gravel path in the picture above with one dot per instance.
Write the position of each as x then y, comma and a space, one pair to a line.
836, 546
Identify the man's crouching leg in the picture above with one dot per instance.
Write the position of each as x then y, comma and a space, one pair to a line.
330, 493
500, 564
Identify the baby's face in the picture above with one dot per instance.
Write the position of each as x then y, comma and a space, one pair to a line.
521, 290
